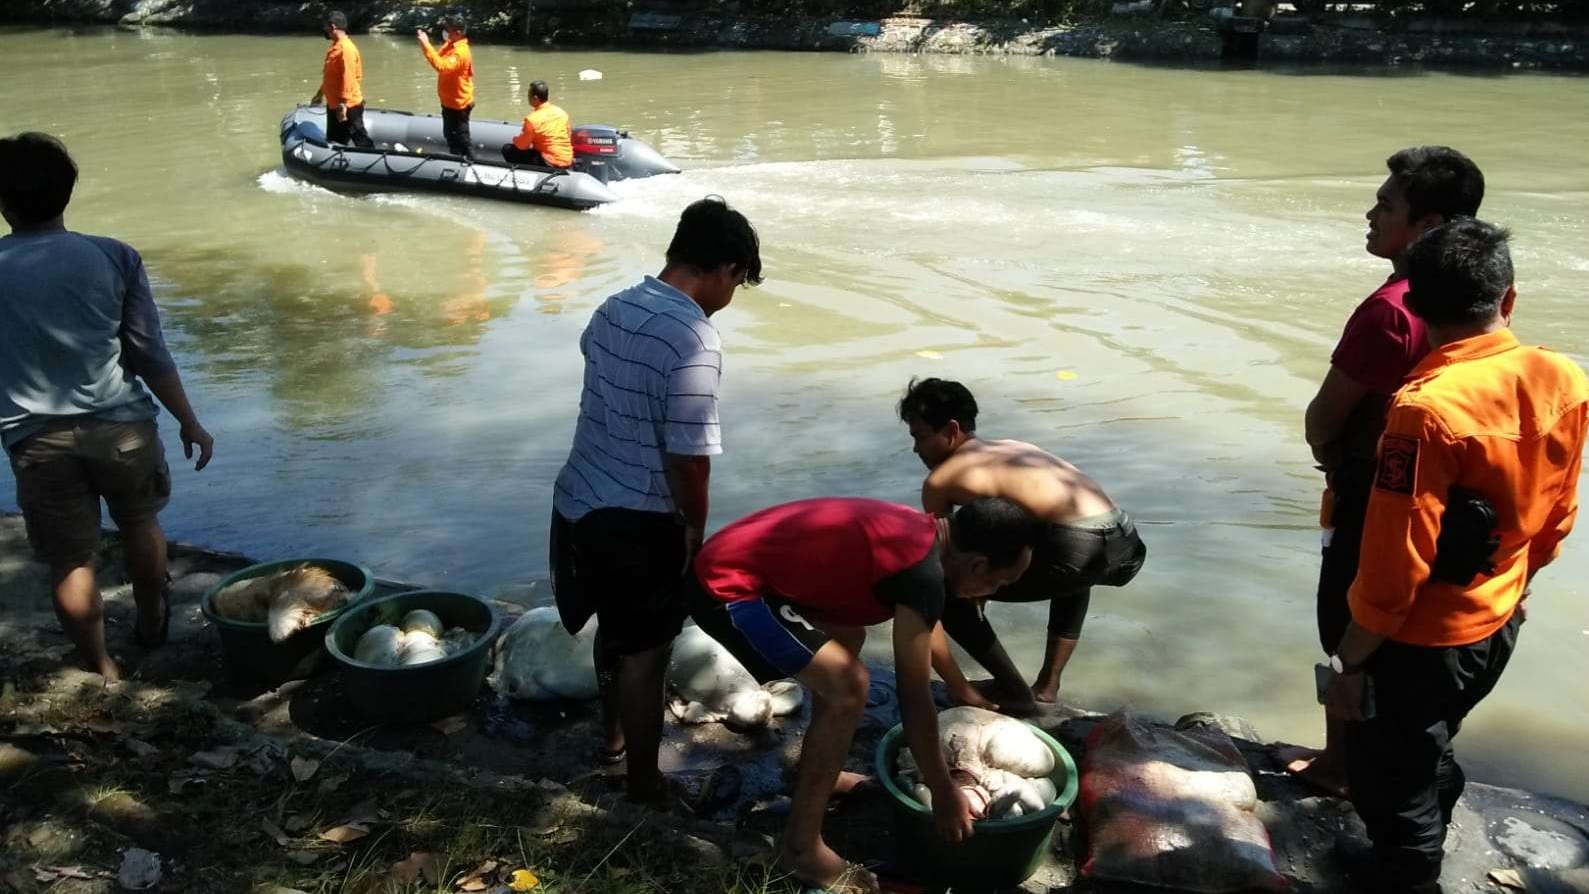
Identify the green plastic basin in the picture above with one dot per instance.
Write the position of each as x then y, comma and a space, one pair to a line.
250, 657
423, 692
1002, 853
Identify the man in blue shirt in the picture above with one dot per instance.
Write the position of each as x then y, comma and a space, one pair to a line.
80, 342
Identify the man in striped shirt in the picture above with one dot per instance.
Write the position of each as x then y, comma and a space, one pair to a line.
630, 507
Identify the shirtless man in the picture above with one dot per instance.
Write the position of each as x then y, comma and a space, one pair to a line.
1086, 541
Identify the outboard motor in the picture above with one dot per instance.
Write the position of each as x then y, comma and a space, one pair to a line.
610, 154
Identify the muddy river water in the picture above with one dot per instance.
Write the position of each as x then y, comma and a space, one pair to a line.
1140, 268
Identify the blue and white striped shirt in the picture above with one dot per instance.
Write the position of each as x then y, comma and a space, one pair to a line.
653, 363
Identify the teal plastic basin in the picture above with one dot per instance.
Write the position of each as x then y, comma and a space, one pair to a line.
252, 660
423, 692
1002, 853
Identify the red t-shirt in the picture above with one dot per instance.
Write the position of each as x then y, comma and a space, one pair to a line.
1381, 344
828, 556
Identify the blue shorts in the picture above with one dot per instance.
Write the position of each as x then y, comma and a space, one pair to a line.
767, 635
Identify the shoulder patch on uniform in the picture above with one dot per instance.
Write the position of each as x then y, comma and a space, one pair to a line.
1398, 464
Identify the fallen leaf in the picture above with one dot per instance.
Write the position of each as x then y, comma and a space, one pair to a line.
296, 823
219, 759
304, 858
139, 747
930, 355
1508, 878
418, 863
448, 726
346, 833
304, 768
108, 727
472, 883
523, 880
329, 784
274, 831
183, 778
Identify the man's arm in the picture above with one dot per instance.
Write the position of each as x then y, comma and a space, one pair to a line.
935, 498
143, 346
912, 660
1542, 550
526, 138
1327, 413
1416, 469
688, 480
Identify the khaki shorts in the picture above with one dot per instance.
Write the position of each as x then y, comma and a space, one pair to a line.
64, 470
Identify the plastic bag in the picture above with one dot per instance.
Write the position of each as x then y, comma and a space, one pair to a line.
1172, 809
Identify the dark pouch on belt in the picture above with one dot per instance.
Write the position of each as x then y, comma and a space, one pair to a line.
1468, 539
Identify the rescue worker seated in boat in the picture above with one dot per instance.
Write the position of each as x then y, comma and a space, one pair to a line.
547, 140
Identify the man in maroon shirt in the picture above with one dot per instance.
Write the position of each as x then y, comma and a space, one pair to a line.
790, 591
1382, 342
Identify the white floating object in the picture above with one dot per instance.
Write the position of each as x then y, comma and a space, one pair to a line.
590, 74
421, 621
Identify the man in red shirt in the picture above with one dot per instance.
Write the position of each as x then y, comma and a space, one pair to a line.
1382, 342
790, 591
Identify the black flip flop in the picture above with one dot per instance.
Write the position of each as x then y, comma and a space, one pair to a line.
159, 639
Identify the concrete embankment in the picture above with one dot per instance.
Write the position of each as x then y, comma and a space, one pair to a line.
173, 737
1346, 39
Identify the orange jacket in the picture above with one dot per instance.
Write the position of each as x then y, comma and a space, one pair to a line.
342, 80
546, 129
454, 66
1496, 418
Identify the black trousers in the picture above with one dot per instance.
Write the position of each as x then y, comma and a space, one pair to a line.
516, 156
349, 131
1404, 776
1338, 564
455, 128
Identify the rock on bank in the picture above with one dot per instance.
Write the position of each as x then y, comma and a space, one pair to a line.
1357, 40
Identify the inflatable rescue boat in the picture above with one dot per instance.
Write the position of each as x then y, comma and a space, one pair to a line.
411, 154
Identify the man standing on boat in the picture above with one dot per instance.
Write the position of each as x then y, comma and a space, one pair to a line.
1380, 344
81, 353
342, 86
547, 140
1084, 540
630, 505
454, 64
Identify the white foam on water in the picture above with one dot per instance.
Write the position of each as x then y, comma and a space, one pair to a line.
279, 182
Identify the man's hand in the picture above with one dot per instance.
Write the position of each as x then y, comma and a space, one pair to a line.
194, 435
1343, 699
342, 114
951, 814
423, 37
1522, 604
693, 538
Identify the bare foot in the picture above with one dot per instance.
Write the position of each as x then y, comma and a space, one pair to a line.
109, 670
1046, 693
1318, 769
821, 868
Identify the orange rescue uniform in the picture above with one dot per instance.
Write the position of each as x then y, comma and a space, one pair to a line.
546, 131
1501, 420
342, 79
454, 65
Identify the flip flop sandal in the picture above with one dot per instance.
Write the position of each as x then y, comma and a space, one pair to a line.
159, 639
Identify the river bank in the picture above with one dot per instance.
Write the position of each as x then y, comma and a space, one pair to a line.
249, 791
1356, 39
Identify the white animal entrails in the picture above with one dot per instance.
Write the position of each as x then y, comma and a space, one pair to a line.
538, 660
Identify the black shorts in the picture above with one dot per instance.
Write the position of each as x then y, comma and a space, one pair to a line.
625, 567
1067, 562
767, 635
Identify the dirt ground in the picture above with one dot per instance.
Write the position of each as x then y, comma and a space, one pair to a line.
241, 791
